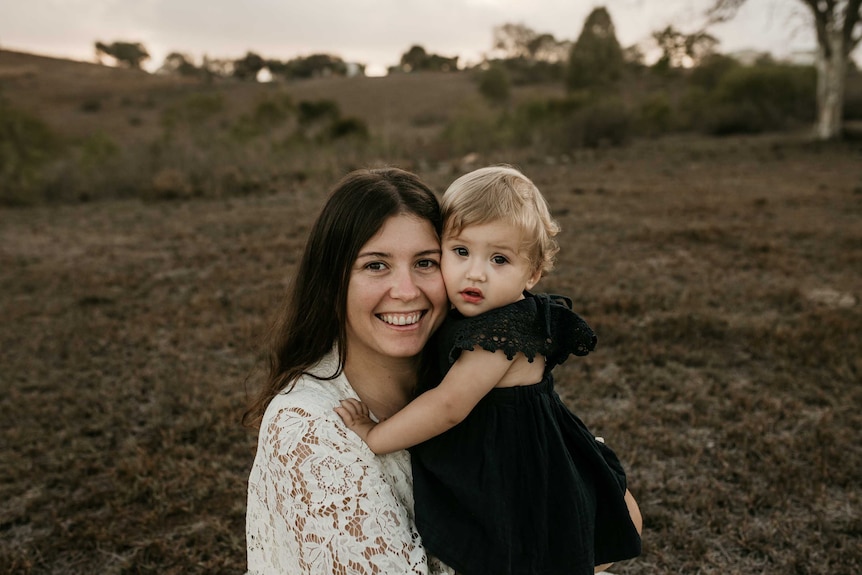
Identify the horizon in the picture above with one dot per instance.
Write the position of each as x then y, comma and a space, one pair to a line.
386, 28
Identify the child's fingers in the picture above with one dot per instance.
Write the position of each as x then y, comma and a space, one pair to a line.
345, 415
356, 407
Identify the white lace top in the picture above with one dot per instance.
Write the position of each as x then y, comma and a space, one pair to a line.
320, 501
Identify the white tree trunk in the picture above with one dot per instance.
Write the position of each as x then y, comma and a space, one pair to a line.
831, 74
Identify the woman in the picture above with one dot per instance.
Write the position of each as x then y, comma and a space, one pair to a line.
367, 296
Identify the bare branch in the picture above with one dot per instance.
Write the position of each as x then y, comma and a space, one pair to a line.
821, 19
851, 19
723, 10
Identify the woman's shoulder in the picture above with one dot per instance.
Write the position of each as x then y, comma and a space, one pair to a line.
312, 396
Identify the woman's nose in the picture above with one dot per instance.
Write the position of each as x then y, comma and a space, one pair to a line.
404, 286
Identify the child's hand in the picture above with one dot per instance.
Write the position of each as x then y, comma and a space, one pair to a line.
356, 417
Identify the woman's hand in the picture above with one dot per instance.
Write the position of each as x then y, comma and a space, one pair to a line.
356, 417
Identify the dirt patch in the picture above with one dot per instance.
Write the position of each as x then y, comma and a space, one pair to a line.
721, 277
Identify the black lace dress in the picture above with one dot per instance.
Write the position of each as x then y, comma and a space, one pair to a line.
521, 486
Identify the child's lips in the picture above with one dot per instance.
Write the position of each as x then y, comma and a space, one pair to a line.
472, 295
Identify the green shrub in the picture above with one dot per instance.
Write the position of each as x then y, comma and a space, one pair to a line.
751, 99
495, 85
709, 72
26, 144
654, 116
268, 115
194, 111
348, 128
311, 112
473, 132
562, 124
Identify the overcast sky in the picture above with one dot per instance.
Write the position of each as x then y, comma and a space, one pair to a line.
372, 32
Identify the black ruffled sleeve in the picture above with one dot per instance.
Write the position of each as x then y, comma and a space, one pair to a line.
539, 324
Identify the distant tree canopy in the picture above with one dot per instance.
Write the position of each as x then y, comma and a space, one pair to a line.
129, 54
683, 50
527, 56
596, 58
416, 59
180, 64
313, 66
247, 67
519, 41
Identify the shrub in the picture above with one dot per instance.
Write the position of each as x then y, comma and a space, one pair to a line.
751, 99
654, 116
348, 127
560, 125
193, 111
268, 114
473, 132
495, 85
311, 112
26, 144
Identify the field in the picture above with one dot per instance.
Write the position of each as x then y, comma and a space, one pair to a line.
723, 277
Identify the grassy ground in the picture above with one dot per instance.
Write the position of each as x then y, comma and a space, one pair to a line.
722, 277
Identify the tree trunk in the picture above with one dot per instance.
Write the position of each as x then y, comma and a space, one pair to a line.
831, 74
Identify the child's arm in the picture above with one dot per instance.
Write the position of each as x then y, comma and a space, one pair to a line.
473, 375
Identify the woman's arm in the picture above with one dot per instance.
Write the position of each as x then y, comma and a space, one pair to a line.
319, 502
472, 376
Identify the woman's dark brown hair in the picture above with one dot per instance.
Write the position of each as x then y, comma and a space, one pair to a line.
313, 316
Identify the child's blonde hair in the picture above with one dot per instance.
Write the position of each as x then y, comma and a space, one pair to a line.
502, 193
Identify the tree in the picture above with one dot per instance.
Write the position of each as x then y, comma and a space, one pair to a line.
514, 41
683, 50
837, 24
596, 59
129, 54
416, 59
247, 67
180, 64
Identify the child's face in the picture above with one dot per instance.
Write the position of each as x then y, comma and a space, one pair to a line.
484, 267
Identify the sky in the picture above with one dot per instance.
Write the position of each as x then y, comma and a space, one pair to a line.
372, 32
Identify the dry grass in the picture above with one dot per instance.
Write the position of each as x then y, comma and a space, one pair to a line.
722, 276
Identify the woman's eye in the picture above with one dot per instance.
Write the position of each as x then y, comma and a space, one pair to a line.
499, 260
461, 252
375, 266
427, 264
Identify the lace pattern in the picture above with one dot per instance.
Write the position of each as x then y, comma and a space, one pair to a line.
539, 324
319, 501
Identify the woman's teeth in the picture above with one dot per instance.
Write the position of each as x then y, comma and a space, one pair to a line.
400, 318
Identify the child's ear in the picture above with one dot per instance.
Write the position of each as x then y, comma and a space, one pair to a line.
534, 279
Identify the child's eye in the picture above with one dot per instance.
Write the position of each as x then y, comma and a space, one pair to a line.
461, 252
499, 260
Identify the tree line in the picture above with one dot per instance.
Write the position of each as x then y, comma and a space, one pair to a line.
595, 61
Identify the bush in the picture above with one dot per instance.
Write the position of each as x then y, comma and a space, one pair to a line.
311, 112
473, 132
495, 85
752, 99
194, 111
655, 116
348, 127
560, 125
26, 144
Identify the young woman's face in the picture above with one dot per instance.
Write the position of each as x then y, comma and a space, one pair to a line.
395, 298
484, 267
